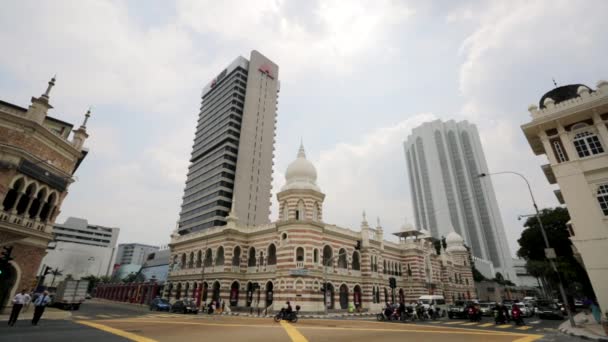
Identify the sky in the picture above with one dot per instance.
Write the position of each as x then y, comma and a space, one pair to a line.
356, 77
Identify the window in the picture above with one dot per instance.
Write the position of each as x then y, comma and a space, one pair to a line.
272, 255
300, 254
316, 256
300, 211
559, 151
602, 198
356, 264
587, 143
251, 260
342, 262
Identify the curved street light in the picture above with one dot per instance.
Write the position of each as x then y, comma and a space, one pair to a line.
549, 252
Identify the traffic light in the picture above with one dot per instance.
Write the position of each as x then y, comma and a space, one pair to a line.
392, 282
5, 257
358, 246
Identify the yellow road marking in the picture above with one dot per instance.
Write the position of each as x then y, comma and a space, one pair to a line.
293, 333
82, 317
529, 338
117, 332
485, 325
526, 327
447, 330
504, 326
103, 316
457, 322
470, 323
436, 322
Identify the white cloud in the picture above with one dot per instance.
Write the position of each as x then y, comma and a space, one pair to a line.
368, 174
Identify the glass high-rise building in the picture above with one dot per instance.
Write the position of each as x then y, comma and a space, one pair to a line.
232, 156
444, 160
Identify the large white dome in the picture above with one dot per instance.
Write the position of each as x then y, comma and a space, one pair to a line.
301, 174
454, 238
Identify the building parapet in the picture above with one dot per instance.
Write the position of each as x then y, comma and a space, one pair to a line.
585, 97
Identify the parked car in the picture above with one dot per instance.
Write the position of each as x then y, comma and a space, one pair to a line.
185, 306
486, 308
459, 309
160, 304
549, 309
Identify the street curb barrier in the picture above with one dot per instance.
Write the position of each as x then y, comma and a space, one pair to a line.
565, 331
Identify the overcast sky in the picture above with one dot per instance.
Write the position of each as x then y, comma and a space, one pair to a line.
356, 77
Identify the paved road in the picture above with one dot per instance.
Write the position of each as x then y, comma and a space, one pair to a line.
97, 322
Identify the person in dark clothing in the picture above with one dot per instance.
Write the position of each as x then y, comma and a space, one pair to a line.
18, 302
39, 305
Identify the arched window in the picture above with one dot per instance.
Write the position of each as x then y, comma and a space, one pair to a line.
199, 259
315, 212
37, 203
285, 211
327, 255
261, 262
24, 202
300, 215
356, 263
11, 197
315, 256
208, 258
342, 261
602, 198
272, 254
219, 256
182, 263
46, 209
300, 256
251, 260
191, 260
384, 269
586, 142
236, 256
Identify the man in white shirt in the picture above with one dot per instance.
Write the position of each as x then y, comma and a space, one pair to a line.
39, 304
18, 302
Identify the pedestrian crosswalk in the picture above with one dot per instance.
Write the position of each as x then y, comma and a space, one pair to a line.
492, 325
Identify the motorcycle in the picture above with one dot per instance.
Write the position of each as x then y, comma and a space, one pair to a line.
499, 317
516, 317
474, 315
291, 317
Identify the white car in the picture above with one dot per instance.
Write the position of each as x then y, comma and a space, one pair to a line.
526, 310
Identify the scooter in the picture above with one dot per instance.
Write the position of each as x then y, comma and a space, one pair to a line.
516, 317
499, 317
291, 317
474, 315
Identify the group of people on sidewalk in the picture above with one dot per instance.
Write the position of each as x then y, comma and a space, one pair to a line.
24, 299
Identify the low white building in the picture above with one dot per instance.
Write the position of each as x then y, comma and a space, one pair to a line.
80, 249
570, 127
523, 277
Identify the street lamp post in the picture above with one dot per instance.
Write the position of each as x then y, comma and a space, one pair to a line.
549, 252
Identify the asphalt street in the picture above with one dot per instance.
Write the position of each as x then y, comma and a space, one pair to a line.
104, 321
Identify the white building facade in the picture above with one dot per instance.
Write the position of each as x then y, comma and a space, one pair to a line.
292, 258
444, 160
134, 253
570, 127
80, 249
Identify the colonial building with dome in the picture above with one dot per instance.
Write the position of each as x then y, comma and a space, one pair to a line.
265, 265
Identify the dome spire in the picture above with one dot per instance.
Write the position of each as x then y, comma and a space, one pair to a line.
49, 87
86, 118
301, 152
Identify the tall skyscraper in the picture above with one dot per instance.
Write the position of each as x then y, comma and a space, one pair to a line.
444, 160
232, 156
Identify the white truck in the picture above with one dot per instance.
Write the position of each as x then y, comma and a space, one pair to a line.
70, 294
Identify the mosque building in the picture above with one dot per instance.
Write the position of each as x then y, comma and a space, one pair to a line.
258, 266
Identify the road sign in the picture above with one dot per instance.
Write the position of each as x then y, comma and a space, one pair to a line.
298, 272
550, 253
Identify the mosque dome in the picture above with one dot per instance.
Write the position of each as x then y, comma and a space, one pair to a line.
301, 174
455, 242
561, 94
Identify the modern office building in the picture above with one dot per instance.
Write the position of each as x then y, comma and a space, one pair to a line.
232, 156
80, 249
569, 126
444, 160
39, 155
134, 253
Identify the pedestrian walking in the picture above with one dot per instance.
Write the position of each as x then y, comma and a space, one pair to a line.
39, 305
28, 301
18, 303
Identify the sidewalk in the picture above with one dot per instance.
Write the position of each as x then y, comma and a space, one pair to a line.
49, 313
586, 328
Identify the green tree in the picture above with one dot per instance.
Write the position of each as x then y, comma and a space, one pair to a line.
532, 249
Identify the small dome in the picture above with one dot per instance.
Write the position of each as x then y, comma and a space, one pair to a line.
561, 94
532, 107
454, 238
406, 227
582, 89
301, 173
